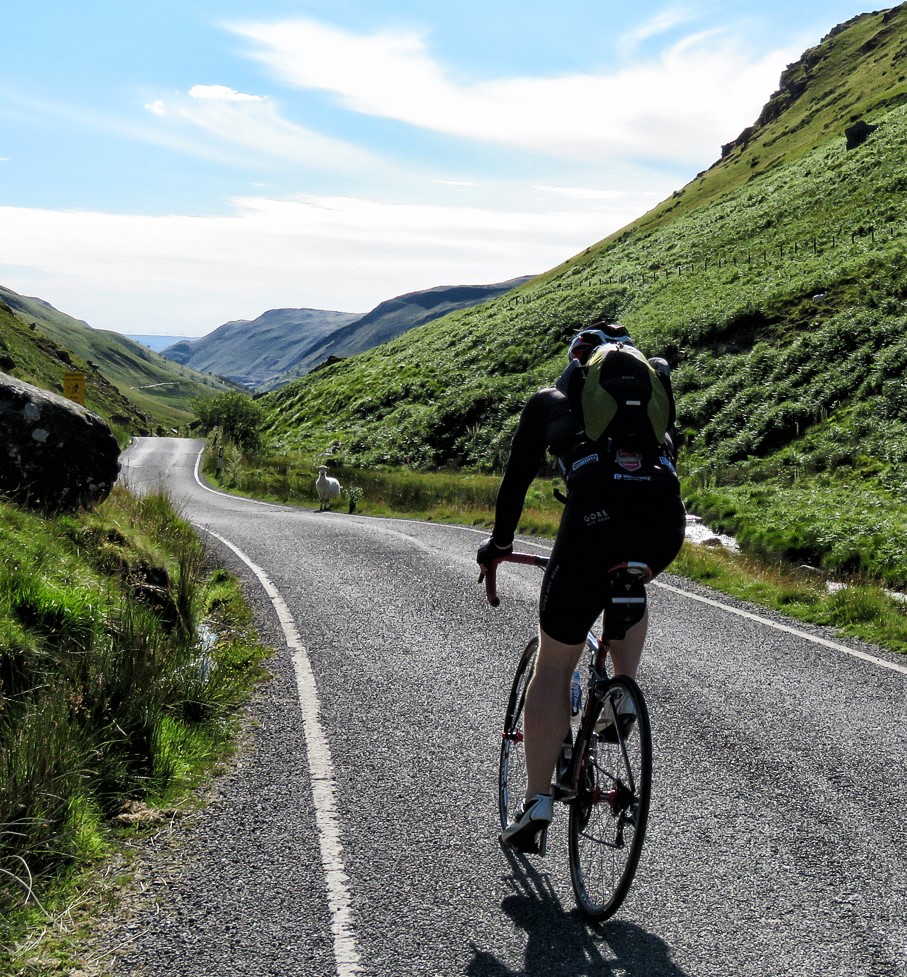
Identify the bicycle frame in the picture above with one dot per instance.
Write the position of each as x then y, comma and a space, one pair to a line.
605, 783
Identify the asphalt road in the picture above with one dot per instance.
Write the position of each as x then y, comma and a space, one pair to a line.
357, 832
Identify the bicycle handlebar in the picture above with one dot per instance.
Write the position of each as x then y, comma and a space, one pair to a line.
489, 576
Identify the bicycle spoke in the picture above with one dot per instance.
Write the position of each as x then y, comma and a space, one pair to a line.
608, 817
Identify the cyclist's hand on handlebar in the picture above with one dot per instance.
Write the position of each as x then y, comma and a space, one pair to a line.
490, 553
488, 557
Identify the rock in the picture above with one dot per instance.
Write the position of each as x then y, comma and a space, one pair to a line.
55, 456
858, 133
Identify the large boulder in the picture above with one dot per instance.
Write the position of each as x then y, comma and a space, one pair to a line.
55, 456
858, 133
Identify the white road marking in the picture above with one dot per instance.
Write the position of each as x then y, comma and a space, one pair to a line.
226, 495
894, 666
346, 953
862, 655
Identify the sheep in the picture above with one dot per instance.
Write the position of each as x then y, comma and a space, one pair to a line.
328, 489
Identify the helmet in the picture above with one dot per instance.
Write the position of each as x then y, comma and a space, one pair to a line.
589, 339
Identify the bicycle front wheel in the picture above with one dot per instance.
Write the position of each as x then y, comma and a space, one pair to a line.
512, 774
609, 814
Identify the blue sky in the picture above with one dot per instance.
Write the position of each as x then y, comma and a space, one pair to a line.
169, 166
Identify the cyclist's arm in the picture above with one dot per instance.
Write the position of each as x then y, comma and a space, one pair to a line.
527, 453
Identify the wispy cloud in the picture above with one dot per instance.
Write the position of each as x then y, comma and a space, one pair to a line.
697, 93
662, 23
271, 252
254, 123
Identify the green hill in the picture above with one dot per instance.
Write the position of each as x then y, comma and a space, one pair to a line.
157, 389
775, 284
26, 353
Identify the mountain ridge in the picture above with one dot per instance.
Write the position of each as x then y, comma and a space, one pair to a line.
267, 352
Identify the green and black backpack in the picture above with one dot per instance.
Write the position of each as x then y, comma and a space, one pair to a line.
619, 399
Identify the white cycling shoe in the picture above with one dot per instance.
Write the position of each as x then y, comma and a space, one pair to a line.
526, 833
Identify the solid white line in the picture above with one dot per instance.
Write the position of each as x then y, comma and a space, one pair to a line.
894, 666
225, 495
853, 652
346, 953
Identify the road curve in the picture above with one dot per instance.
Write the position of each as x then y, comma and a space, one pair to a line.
356, 834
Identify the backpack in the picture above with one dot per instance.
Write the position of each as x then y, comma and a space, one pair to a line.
622, 399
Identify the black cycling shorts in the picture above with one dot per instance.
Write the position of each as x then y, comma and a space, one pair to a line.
606, 522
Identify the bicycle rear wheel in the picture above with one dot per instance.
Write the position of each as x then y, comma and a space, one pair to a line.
512, 769
608, 817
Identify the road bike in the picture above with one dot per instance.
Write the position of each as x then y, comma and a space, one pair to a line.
604, 774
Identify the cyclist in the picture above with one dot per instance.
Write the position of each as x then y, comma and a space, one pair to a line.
620, 506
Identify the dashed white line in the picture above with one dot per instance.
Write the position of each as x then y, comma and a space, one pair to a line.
318, 753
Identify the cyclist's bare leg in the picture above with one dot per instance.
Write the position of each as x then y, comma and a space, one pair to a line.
626, 653
547, 714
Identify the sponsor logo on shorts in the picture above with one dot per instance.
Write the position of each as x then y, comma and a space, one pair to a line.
583, 461
630, 461
595, 518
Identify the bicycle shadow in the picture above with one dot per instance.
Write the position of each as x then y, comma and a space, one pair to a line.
562, 943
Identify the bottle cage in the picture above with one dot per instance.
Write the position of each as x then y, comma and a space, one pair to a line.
626, 600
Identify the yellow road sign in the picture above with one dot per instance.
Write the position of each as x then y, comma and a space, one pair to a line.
74, 387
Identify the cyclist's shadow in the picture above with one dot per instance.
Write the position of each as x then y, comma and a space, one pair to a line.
564, 944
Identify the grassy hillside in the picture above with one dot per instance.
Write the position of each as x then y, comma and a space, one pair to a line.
153, 385
774, 282
26, 353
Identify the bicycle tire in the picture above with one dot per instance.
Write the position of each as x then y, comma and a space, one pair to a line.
512, 776
607, 823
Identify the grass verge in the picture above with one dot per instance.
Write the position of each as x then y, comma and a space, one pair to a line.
123, 660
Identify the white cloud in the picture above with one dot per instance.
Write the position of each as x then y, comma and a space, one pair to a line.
661, 23
697, 93
221, 93
182, 275
585, 193
254, 124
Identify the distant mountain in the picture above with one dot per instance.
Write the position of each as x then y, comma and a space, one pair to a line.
282, 344
250, 352
158, 343
154, 385
391, 319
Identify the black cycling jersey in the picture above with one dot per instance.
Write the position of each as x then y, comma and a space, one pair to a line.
622, 505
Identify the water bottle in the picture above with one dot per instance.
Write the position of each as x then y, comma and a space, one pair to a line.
576, 693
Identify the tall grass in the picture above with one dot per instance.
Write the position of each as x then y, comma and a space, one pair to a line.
446, 495
108, 692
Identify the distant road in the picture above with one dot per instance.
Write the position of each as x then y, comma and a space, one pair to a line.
357, 833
